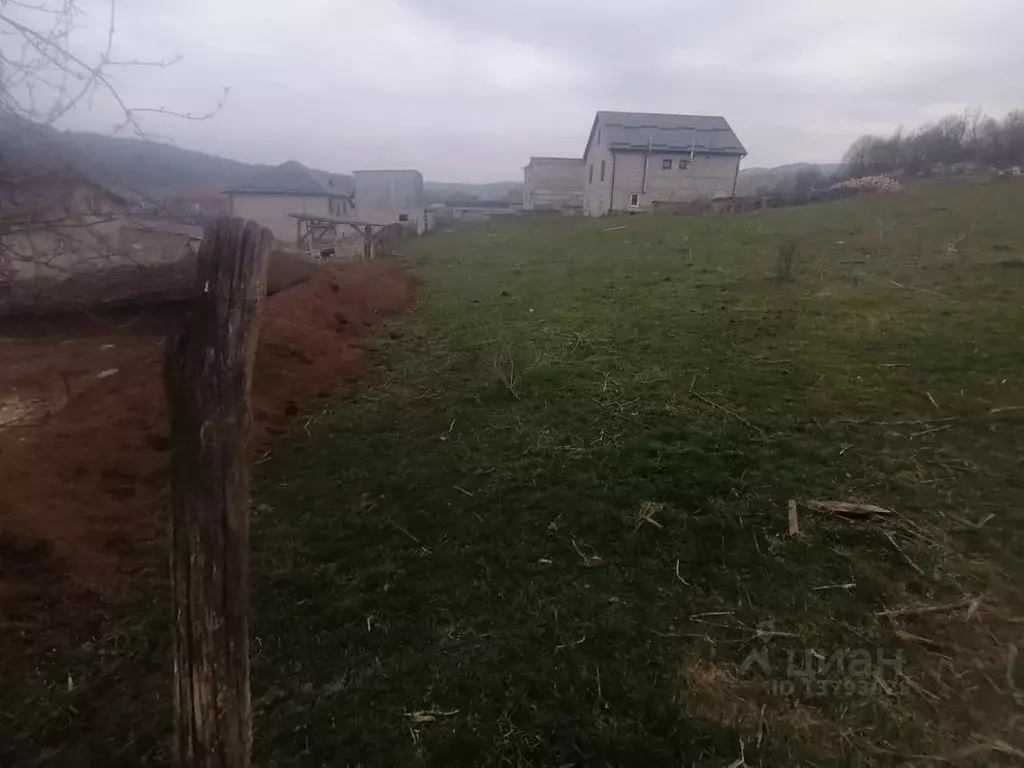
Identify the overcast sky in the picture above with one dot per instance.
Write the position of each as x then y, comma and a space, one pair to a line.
467, 90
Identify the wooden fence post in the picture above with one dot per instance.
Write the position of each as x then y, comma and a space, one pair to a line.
367, 242
208, 377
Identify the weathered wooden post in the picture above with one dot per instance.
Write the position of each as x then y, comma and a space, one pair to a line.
208, 377
367, 242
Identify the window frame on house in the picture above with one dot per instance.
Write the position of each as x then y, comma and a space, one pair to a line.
684, 163
634, 200
591, 179
666, 164
602, 170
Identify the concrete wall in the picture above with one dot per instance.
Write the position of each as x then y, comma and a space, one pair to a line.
553, 183
385, 197
706, 176
416, 220
84, 239
153, 247
272, 211
597, 185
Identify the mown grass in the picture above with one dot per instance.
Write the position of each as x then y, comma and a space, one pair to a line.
550, 526
554, 524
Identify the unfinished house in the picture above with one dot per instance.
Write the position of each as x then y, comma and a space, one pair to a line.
553, 184
276, 198
392, 197
636, 161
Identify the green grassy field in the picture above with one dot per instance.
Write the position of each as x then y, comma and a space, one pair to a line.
554, 524
551, 525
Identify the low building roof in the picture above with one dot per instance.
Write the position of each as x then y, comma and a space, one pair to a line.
387, 170
667, 133
573, 160
293, 178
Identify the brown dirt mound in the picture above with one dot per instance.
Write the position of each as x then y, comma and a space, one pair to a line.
82, 509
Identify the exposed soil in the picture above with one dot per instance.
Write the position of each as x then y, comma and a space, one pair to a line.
83, 461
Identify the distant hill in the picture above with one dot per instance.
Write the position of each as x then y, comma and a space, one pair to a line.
443, 191
158, 169
760, 181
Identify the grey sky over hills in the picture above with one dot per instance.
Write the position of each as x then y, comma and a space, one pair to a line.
468, 90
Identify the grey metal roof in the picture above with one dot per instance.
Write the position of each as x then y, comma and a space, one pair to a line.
667, 133
542, 159
293, 178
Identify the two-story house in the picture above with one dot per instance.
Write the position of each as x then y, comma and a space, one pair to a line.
634, 161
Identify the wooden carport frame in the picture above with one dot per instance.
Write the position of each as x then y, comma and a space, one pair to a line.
310, 229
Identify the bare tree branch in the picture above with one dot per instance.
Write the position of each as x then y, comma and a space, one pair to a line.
55, 216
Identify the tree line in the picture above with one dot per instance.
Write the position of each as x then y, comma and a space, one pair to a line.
968, 137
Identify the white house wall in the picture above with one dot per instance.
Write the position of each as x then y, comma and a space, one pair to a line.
706, 176
597, 188
272, 211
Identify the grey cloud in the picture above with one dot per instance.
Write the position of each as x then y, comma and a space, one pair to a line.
464, 89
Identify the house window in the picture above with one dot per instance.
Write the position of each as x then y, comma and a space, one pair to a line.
403, 217
666, 165
634, 200
602, 170
591, 179
683, 164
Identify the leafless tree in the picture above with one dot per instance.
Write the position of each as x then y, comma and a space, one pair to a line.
47, 70
968, 137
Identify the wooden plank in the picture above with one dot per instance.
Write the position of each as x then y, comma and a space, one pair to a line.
332, 220
208, 376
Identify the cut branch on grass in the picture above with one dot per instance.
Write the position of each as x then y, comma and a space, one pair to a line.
1006, 408
681, 579
645, 514
929, 431
912, 638
728, 412
1011, 668
404, 531
849, 508
847, 586
794, 518
914, 610
505, 367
